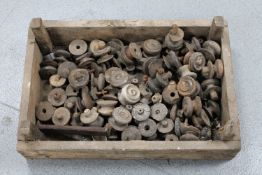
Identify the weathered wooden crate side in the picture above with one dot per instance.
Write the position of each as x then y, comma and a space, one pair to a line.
28, 135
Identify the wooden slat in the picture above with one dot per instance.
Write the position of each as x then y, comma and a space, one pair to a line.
216, 29
30, 91
63, 32
125, 23
41, 35
130, 149
229, 105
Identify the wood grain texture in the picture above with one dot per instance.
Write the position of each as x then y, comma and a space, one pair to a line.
61, 33
229, 105
30, 91
130, 149
41, 35
216, 29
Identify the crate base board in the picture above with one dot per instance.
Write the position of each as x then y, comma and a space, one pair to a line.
130, 149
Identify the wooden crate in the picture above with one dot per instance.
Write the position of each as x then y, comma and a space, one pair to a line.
43, 35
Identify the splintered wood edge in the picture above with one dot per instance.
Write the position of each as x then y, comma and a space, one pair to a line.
130, 149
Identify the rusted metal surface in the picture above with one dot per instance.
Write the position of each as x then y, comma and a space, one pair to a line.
171, 137
106, 107
65, 68
165, 88
147, 128
152, 47
165, 126
129, 94
131, 133
81, 130
61, 116
46, 71
159, 111
57, 97
174, 39
141, 112
44, 111
89, 116
78, 78
170, 93
122, 115
56, 80
98, 48
187, 86
77, 47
